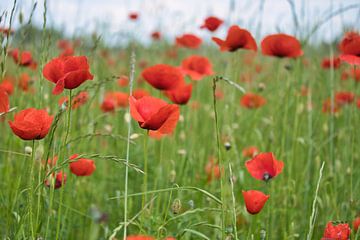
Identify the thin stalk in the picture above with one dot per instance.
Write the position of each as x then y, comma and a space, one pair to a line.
145, 179
31, 189
233, 201
219, 159
132, 75
314, 209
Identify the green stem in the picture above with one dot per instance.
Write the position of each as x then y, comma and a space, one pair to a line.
220, 160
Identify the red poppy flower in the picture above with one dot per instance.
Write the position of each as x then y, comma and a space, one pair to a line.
108, 105
264, 166
163, 76
254, 200
342, 98
281, 45
154, 114
67, 72
139, 237
251, 151
356, 224
139, 93
180, 95
120, 98
355, 74
60, 180
133, 16
213, 171
212, 23
80, 100
25, 82
81, 166
25, 58
358, 103
31, 124
4, 101
196, 67
7, 85
156, 35
189, 41
251, 100
236, 38
337, 232
330, 107
6, 31
123, 81
350, 59
350, 48
330, 63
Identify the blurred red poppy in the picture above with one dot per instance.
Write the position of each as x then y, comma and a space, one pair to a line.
139, 93
212, 170
356, 224
123, 81
60, 180
196, 67
67, 72
212, 23
189, 41
339, 231
23, 58
163, 76
6, 31
330, 107
254, 200
4, 101
133, 16
342, 98
156, 35
120, 98
80, 100
358, 103
281, 45
180, 95
108, 105
251, 100
31, 124
350, 48
264, 166
25, 81
7, 85
328, 63
251, 151
81, 166
154, 114
139, 237
236, 38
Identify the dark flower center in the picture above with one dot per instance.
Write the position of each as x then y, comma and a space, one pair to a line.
266, 176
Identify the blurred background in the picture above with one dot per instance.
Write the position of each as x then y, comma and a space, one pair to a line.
110, 18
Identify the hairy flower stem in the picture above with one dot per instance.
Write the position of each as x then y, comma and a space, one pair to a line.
219, 159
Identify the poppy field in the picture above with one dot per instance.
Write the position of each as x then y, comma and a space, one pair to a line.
228, 136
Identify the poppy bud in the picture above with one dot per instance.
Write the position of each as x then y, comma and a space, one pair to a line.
176, 206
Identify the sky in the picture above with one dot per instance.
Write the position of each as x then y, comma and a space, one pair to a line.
174, 17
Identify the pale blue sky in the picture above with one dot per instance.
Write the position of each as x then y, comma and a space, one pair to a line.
173, 17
